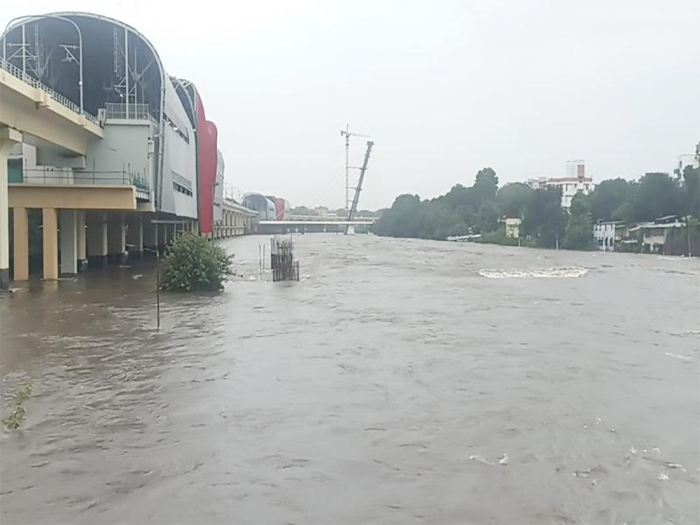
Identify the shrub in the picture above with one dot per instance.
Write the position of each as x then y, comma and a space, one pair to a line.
194, 263
498, 237
18, 414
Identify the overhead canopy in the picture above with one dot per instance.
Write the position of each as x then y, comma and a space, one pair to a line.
48, 47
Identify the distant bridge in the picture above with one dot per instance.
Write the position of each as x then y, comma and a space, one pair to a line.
341, 222
312, 226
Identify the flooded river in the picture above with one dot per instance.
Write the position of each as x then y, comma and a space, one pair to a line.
401, 381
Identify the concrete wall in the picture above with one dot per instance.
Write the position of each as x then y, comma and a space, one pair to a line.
125, 147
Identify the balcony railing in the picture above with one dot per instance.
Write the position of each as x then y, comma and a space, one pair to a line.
25, 77
79, 177
118, 111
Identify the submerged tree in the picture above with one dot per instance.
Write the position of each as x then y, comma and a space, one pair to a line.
544, 220
579, 229
691, 185
194, 263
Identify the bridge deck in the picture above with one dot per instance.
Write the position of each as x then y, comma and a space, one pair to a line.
316, 223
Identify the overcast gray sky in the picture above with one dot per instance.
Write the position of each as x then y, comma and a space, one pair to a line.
443, 87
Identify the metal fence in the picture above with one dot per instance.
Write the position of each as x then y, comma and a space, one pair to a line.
25, 77
115, 110
115, 178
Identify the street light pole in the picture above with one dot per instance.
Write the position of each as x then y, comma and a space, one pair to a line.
157, 283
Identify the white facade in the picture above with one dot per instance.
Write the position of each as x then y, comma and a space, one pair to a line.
179, 162
219, 190
513, 227
604, 235
125, 151
570, 185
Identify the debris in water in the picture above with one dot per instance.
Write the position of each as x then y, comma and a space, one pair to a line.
676, 466
503, 460
475, 457
681, 357
663, 477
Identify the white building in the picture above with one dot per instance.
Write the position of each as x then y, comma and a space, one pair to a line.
574, 181
608, 233
513, 227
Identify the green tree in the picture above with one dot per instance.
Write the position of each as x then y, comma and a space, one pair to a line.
544, 220
657, 195
579, 229
194, 263
486, 184
691, 187
512, 199
488, 217
402, 219
608, 198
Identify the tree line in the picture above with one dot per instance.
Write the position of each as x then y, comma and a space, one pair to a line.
481, 208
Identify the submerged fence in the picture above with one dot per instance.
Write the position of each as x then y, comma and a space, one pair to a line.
284, 267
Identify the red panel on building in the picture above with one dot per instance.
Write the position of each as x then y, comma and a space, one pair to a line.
280, 208
207, 147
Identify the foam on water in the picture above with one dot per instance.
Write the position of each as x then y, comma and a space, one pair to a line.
545, 273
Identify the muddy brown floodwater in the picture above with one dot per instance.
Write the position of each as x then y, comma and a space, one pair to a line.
401, 381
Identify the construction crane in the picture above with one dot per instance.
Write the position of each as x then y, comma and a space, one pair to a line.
346, 133
358, 189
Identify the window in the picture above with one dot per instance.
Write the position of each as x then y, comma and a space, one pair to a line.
182, 132
180, 188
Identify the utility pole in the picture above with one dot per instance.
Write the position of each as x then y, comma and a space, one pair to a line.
346, 133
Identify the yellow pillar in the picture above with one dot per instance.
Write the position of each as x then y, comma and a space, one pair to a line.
50, 247
21, 244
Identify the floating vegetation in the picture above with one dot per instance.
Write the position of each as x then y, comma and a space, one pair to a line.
19, 413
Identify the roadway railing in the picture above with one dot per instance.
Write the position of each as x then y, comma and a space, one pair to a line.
25, 77
327, 218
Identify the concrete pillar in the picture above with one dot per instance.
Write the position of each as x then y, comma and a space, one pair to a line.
69, 242
80, 233
134, 236
97, 240
150, 233
49, 227
117, 239
8, 138
21, 244
161, 236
